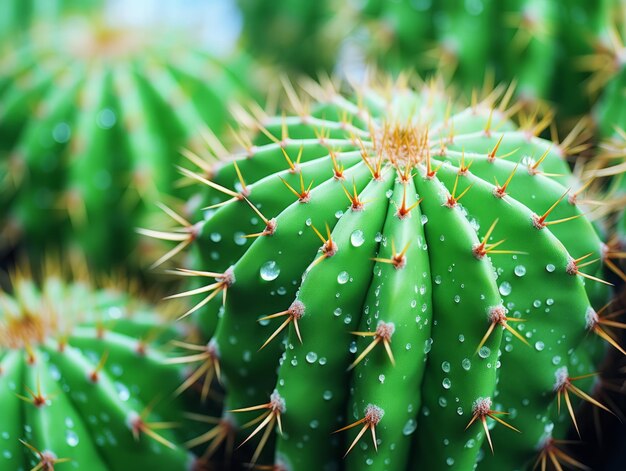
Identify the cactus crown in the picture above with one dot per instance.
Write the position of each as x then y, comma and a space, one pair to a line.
414, 259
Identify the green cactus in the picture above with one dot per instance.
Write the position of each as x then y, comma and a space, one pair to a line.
609, 72
296, 35
411, 269
85, 381
538, 43
92, 121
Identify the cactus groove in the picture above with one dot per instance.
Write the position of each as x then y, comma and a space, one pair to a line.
395, 282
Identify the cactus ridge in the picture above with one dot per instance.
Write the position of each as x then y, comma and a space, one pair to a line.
78, 368
394, 264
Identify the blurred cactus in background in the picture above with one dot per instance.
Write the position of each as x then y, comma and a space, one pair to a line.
92, 123
299, 36
85, 381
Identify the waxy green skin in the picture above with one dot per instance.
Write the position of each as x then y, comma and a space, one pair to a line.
439, 302
89, 146
84, 420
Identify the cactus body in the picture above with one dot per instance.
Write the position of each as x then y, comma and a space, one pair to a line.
382, 295
538, 43
291, 33
90, 137
531, 41
84, 382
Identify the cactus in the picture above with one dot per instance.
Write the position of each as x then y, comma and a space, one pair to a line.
296, 35
85, 381
382, 276
607, 80
539, 43
90, 135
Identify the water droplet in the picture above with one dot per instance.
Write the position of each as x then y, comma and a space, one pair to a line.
122, 391
539, 346
409, 427
311, 357
328, 395
337, 312
466, 364
428, 345
484, 352
314, 424
106, 118
71, 438
443, 402
457, 298
520, 270
461, 338
239, 238
446, 383
338, 214
450, 461
61, 133
505, 288
343, 277
357, 238
549, 301
215, 236
556, 360
550, 268
381, 378
270, 270
445, 366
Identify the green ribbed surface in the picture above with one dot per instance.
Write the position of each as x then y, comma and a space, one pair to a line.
438, 302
